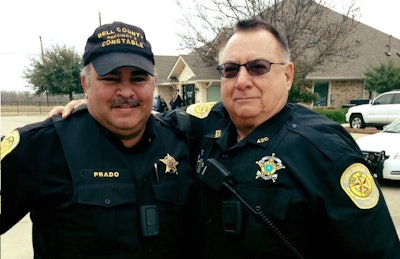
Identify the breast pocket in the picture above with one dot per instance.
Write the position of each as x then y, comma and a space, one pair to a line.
172, 195
106, 189
282, 211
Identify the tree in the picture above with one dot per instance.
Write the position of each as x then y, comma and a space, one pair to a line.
56, 73
315, 34
383, 78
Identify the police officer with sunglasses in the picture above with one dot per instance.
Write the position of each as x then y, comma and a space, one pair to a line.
278, 180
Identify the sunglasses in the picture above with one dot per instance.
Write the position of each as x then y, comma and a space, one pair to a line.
255, 67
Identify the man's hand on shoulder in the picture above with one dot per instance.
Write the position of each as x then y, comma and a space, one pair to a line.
66, 110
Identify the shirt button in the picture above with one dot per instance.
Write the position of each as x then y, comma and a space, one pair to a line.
294, 125
225, 156
107, 201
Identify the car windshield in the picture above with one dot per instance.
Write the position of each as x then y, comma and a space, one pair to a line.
393, 127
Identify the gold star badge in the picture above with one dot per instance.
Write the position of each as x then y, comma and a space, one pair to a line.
170, 164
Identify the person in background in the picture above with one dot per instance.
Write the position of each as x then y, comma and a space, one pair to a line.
125, 191
160, 105
164, 106
178, 102
277, 179
172, 104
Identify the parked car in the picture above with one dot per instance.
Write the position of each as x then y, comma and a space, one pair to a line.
381, 111
382, 151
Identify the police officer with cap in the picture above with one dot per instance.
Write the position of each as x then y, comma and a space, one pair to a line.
111, 181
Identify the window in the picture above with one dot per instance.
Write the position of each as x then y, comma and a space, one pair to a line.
321, 88
396, 98
384, 99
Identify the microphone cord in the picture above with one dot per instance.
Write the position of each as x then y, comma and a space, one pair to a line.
258, 212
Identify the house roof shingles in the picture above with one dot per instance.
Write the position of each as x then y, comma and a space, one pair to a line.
372, 48
371, 53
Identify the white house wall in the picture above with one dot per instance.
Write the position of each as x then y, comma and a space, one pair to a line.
186, 75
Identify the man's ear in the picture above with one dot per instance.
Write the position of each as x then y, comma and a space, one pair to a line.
84, 84
155, 79
289, 74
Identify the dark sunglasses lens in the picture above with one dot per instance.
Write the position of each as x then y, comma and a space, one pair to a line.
229, 70
258, 67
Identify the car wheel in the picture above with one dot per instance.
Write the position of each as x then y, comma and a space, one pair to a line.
357, 122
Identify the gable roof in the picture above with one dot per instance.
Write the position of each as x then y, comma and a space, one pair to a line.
201, 69
164, 65
372, 48
169, 68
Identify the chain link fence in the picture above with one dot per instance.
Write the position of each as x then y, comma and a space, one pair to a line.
15, 108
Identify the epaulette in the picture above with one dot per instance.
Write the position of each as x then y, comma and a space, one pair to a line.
156, 115
200, 110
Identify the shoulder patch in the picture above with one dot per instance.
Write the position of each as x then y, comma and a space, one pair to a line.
9, 143
200, 110
360, 186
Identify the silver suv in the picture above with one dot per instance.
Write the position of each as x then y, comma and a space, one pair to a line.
380, 111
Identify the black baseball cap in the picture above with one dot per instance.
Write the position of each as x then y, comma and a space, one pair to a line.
118, 45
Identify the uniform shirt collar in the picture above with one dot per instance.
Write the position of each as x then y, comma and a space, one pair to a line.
148, 136
260, 135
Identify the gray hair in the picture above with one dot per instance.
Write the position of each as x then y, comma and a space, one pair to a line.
258, 24
85, 71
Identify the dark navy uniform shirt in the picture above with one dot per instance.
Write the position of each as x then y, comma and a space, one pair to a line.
90, 197
305, 173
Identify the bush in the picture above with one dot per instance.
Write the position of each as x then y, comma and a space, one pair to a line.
337, 115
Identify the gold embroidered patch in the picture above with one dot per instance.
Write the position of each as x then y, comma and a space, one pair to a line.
200, 110
9, 143
360, 186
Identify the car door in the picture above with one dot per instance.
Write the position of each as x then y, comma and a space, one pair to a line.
380, 109
394, 110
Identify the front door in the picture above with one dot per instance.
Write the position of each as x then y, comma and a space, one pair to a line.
188, 94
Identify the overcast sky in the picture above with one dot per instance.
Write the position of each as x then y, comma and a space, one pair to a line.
70, 23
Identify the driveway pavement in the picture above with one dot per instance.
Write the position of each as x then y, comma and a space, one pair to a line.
17, 242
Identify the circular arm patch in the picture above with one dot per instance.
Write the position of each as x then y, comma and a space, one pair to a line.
9, 143
200, 110
360, 186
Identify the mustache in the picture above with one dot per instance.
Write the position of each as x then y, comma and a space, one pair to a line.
124, 102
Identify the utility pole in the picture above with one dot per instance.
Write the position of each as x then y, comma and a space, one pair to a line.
41, 46
99, 18
42, 52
